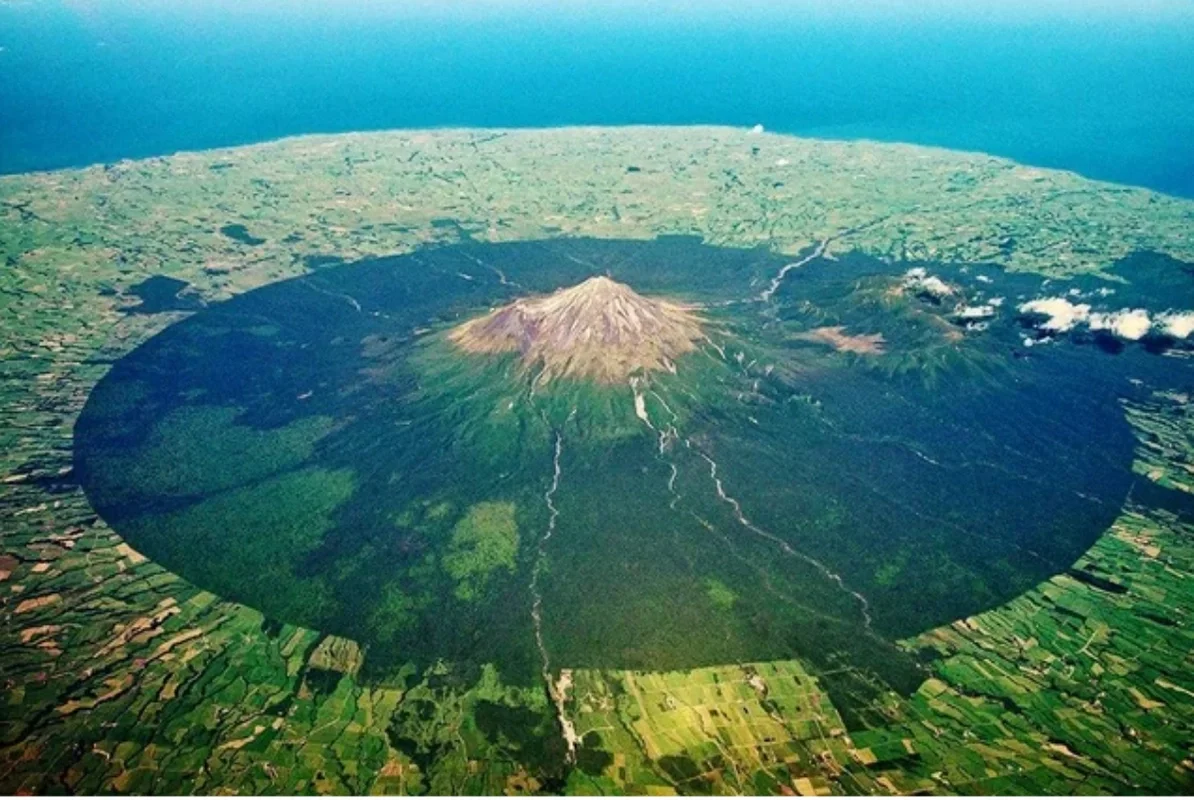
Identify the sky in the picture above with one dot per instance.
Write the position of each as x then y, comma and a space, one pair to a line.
697, 10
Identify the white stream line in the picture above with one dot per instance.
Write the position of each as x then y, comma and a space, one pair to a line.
863, 604
666, 407
765, 295
672, 434
346, 297
553, 514
666, 435
557, 692
502, 279
671, 485
721, 351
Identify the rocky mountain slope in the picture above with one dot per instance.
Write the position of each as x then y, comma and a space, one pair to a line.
599, 329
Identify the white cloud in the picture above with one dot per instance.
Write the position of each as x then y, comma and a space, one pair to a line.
1178, 324
1062, 315
1129, 323
976, 312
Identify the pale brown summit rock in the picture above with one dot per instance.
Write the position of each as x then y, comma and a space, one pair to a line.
600, 329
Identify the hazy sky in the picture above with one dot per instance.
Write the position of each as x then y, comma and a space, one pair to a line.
96, 14
972, 9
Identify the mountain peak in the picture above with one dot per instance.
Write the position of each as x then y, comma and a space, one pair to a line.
598, 329
601, 281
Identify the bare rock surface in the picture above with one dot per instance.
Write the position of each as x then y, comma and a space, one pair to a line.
599, 329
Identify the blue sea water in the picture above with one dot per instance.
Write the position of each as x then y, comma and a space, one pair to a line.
1103, 89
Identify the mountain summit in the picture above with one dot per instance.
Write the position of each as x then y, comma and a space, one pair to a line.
599, 329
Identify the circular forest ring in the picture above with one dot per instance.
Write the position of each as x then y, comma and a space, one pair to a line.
684, 462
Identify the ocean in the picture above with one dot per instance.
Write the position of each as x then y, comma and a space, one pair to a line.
1105, 91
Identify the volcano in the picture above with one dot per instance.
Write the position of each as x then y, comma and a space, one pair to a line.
647, 468
599, 329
